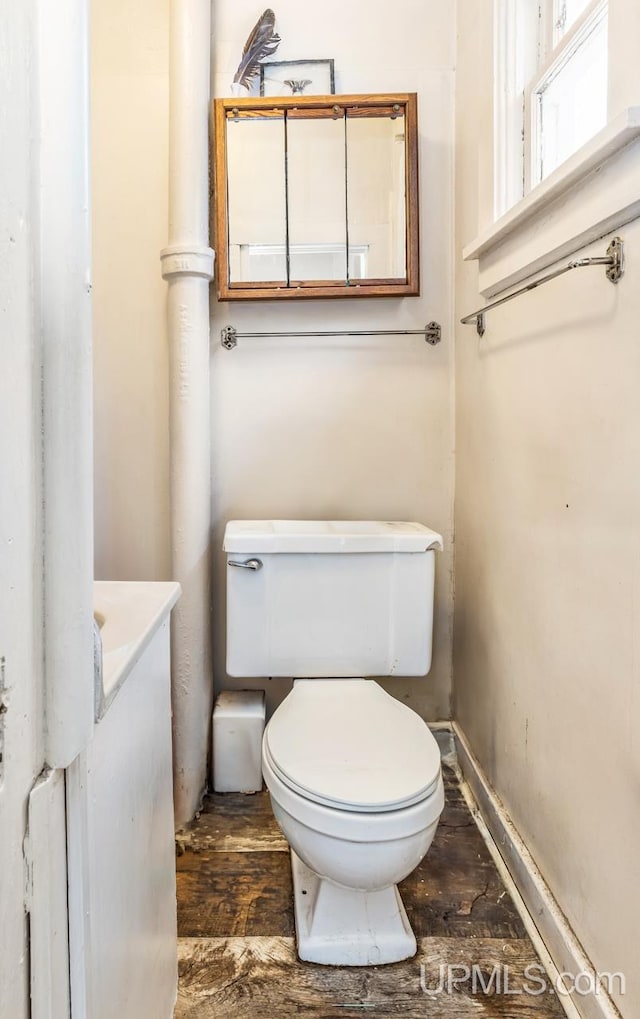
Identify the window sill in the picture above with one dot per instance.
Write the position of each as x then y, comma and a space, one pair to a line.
591, 194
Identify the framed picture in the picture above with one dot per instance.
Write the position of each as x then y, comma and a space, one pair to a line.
297, 77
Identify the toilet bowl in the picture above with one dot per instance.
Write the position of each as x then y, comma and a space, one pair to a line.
358, 796
354, 774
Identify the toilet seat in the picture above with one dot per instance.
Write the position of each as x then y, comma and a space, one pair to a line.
349, 745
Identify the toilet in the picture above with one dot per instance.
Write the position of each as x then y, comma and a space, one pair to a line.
354, 774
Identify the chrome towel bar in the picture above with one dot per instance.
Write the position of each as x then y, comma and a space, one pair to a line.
432, 333
614, 260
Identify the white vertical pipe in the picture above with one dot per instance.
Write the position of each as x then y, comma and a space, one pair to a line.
187, 265
65, 302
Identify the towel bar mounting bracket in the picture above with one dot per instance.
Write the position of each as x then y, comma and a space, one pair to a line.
229, 337
615, 252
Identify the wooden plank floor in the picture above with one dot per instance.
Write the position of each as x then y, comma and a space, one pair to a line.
236, 930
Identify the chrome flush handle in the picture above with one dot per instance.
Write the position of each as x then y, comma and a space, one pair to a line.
248, 564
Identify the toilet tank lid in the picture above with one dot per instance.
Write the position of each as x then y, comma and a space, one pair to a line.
328, 536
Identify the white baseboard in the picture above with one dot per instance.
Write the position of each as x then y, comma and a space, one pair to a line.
559, 950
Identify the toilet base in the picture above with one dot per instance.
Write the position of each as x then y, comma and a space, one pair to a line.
338, 926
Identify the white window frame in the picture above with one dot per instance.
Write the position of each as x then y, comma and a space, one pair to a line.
529, 52
558, 50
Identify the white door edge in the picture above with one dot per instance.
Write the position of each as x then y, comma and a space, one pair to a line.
46, 897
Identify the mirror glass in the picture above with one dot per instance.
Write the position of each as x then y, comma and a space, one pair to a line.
376, 198
317, 195
256, 196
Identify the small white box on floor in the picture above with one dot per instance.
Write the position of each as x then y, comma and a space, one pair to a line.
238, 725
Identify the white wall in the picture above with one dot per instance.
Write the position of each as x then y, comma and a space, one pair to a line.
353, 428
130, 124
547, 687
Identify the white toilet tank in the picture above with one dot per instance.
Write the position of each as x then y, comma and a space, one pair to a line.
324, 598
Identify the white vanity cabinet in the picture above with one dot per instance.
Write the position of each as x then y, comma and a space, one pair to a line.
120, 825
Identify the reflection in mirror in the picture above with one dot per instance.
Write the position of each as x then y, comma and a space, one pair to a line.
376, 198
316, 182
256, 196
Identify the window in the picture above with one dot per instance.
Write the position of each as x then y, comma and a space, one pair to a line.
568, 101
551, 93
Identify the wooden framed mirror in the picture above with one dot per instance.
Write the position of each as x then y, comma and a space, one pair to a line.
316, 196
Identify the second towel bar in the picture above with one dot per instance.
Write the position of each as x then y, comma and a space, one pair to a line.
614, 260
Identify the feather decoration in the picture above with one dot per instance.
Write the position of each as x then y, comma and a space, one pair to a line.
263, 42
